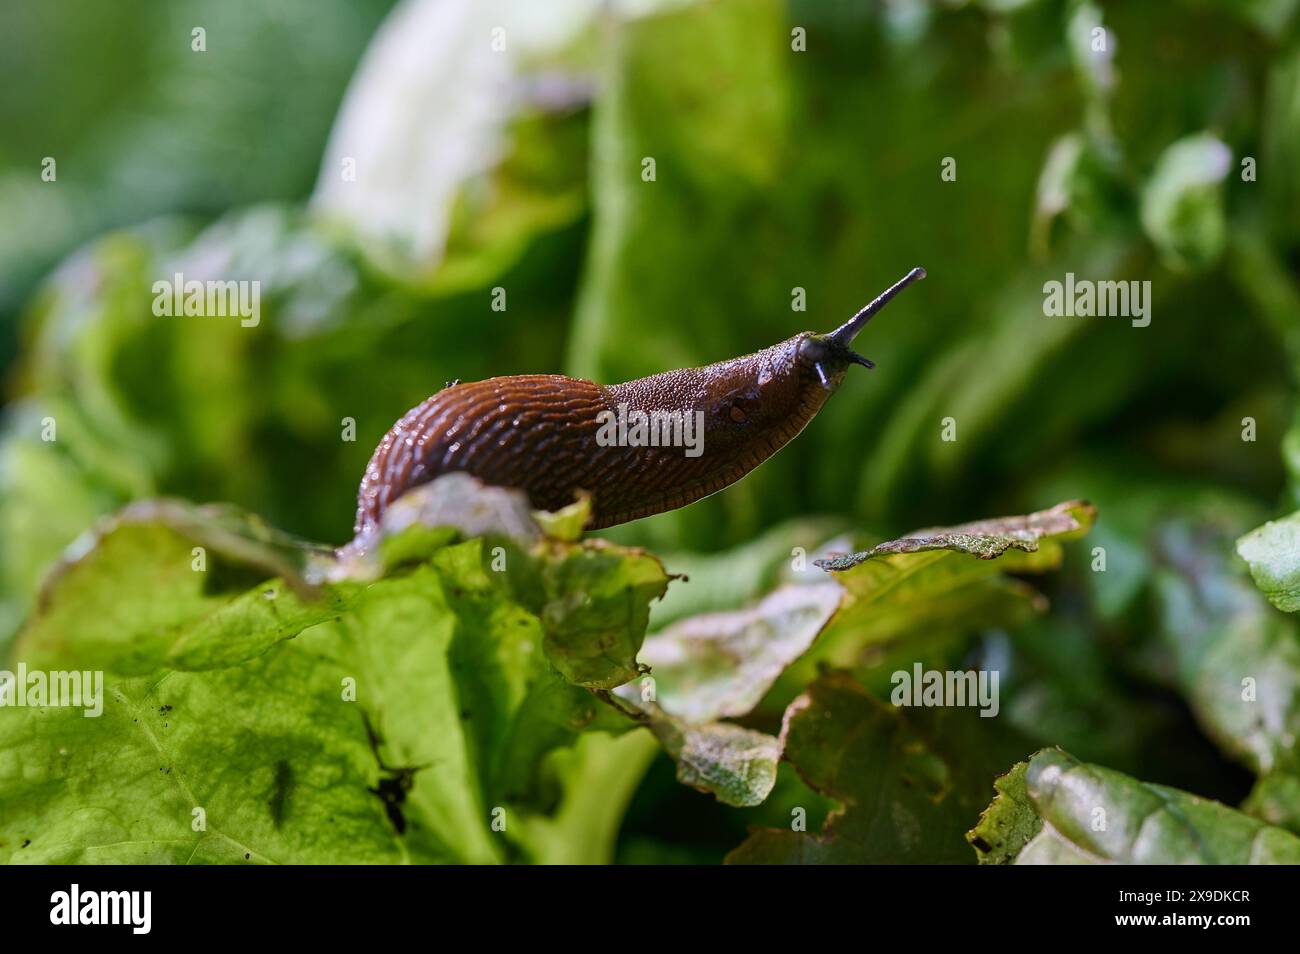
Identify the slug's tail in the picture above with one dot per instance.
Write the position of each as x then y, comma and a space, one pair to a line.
845, 333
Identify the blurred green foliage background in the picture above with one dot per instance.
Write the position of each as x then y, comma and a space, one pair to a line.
776, 168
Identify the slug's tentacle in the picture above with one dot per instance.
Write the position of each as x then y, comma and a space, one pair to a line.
551, 435
846, 332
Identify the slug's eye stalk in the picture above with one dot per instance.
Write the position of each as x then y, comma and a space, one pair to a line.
843, 336
858, 359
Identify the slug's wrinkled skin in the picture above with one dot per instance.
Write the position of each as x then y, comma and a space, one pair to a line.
538, 432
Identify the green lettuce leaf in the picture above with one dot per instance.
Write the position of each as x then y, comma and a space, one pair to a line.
1273, 554
735, 764
168, 584
733, 578
985, 539
723, 665
1236, 659
718, 666
1182, 204
1086, 814
429, 714
1275, 799
909, 780
1009, 823
939, 581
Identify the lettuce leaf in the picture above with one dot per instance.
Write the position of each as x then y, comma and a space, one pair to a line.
1055, 809
322, 715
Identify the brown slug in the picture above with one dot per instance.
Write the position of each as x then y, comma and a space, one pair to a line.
639, 448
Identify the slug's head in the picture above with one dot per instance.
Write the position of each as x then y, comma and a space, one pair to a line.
767, 397
828, 356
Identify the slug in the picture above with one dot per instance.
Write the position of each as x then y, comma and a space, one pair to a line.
553, 436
